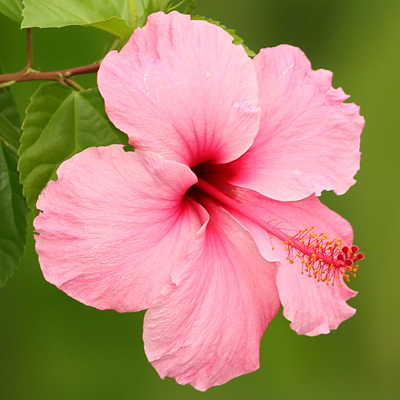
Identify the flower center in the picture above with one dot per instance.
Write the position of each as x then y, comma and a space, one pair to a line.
324, 259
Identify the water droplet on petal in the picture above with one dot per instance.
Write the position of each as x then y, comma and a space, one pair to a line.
208, 74
236, 104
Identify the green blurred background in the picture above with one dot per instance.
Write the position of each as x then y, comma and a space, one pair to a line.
53, 347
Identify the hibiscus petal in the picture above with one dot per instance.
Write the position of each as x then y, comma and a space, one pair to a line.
180, 88
308, 140
207, 329
312, 306
114, 224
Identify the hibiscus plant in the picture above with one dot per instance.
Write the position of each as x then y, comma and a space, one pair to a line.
186, 184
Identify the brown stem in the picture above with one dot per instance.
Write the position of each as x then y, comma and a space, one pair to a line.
29, 49
61, 76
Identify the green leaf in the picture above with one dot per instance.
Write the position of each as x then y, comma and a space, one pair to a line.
190, 6
115, 26
7, 105
9, 118
147, 7
12, 9
236, 39
13, 214
60, 123
115, 16
9, 133
152, 6
133, 14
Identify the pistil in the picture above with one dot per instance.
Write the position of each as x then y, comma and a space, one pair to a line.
327, 260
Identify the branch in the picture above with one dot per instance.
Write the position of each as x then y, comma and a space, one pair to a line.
28, 74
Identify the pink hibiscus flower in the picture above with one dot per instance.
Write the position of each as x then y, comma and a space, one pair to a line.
213, 221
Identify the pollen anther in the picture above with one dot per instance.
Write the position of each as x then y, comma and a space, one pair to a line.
325, 260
